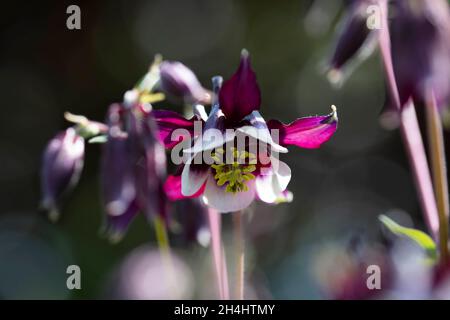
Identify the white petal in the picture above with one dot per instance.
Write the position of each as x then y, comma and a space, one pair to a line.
260, 131
223, 201
211, 139
273, 181
192, 180
200, 112
282, 173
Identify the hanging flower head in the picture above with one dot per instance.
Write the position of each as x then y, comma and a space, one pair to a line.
420, 38
179, 82
420, 45
63, 161
62, 164
132, 167
235, 156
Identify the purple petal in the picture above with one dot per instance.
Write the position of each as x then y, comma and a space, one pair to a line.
117, 171
353, 34
115, 226
420, 39
149, 160
193, 219
168, 122
240, 95
180, 83
172, 187
309, 132
62, 165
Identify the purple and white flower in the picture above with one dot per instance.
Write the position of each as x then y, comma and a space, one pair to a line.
247, 173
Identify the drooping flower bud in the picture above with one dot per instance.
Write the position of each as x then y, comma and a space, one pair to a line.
117, 171
193, 219
353, 37
179, 83
149, 159
62, 165
420, 37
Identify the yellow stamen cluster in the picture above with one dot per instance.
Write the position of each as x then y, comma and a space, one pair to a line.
234, 174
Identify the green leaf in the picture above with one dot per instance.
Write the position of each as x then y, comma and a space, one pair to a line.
99, 139
419, 237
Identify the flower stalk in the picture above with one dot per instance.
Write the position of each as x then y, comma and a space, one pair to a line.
240, 254
162, 239
410, 130
218, 254
439, 171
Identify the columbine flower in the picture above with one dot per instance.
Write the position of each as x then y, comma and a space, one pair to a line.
178, 82
62, 165
232, 184
132, 167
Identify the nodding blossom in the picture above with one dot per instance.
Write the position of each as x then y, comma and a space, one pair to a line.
234, 159
132, 168
420, 45
179, 83
62, 164
420, 37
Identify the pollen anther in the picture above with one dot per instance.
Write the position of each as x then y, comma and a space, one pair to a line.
234, 175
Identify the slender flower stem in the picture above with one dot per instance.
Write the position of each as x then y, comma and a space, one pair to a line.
240, 254
226, 287
412, 140
410, 130
439, 170
214, 219
165, 252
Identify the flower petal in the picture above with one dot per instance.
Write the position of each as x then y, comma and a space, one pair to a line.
309, 132
180, 83
168, 122
223, 201
172, 187
115, 226
193, 178
240, 95
213, 134
353, 34
149, 161
273, 181
117, 176
260, 131
61, 168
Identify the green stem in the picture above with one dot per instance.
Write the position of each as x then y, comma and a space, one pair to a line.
162, 239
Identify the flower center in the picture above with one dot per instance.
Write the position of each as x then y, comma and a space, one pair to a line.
235, 174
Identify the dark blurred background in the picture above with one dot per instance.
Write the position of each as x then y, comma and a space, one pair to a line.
339, 190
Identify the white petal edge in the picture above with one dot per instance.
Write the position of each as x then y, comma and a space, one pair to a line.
260, 131
225, 202
192, 181
271, 184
